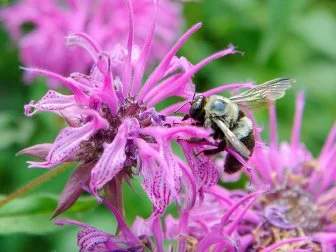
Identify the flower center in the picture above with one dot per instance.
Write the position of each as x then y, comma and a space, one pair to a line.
291, 207
92, 149
289, 212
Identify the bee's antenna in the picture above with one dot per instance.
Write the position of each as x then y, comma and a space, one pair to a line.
182, 106
186, 103
193, 96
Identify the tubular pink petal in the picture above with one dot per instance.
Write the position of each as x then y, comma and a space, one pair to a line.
70, 83
158, 234
121, 223
215, 238
273, 127
189, 186
158, 73
140, 66
331, 139
168, 133
52, 101
83, 40
188, 75
61, 222
229, 230
112, 160
127, 73
108, 92
233, 208
67, 144
141, 227
295, 142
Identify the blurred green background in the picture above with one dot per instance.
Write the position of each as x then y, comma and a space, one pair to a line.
279, 38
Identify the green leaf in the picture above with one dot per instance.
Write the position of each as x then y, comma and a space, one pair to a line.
32, 214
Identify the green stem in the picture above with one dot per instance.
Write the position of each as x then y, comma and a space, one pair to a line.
34, 183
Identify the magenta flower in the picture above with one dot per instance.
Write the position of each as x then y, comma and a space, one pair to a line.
301, 201
213, 224
104, 20
114, 129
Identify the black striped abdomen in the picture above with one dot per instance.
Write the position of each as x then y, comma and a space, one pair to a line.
243, 129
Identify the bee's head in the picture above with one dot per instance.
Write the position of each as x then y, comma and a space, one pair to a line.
196, 110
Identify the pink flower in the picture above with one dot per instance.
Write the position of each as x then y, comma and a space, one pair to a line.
115, 131
212, 224
301, 200
39, 28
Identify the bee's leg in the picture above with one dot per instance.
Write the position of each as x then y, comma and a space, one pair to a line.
221, 147
216, 135
186, 117
195, 140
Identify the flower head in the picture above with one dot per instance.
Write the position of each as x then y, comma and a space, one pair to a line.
113, 127
301, 200
39, 27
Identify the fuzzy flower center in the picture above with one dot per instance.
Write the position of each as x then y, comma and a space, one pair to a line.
290, 212
293, 207
92, 149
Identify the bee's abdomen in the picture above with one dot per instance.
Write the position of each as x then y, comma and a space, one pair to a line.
231, 164
249, 141
243, 129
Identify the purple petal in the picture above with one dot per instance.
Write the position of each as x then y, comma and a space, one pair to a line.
158, 234
295, 143
67, 143
158, 182
141, 227
203, 168
128, 68
215, 238
184, 78
73, 188
190, 187
52, 101
140, 66
91, 239
81, 98
39, 151
113, 158
86, 42
159, 72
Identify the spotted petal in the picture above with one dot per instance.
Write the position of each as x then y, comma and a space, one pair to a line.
52, 101
113, 158
67, 143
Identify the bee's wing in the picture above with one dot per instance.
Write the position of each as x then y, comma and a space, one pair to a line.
234, 141
263, 94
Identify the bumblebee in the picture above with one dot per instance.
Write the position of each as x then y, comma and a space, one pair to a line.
230, 125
